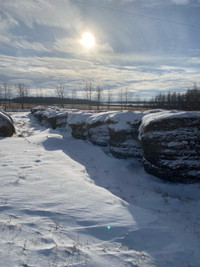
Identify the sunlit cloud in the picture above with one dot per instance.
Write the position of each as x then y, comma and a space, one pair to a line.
72, 45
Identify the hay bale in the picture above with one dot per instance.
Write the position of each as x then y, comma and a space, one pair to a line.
61, 119
171, 145
77, 122
97, 126
123, 130
36, 109
51, 117
6, 125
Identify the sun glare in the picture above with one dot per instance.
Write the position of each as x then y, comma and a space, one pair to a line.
87, 40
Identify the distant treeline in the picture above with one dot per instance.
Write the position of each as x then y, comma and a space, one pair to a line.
93, 97
52, 100
184, 101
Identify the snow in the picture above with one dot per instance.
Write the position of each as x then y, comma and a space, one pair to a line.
122, 120
99, 117
161, 115
157, 116
78, 117
59, 195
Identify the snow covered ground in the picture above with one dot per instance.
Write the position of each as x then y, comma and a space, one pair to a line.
67, 202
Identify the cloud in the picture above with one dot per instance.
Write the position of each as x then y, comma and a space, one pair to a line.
180, 2
52, 12
73, 45
6, 24
46, 72
31, 46
46, 37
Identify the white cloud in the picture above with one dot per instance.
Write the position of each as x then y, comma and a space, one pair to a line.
52, 12
48, 72
73, 45
6, 24
33, 46
180, 2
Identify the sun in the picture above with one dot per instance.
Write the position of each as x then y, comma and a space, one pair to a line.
87, 40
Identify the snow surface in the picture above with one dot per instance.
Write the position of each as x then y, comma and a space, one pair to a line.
152, 117
60, 195
78, 117
123, 120
99, 117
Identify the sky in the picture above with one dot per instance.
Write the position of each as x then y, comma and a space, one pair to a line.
144, 46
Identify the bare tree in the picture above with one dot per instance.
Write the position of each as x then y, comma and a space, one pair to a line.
73, 93
98, 95
61, 93
127, 97
5, 94
88, 91
22, 90
137, 98
73, 96
109, 97
121, 98
0, 94
9, 94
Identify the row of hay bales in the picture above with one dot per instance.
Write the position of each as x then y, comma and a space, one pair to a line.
168, 141
118, 130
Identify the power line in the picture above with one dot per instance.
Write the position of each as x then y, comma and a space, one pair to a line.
138, 14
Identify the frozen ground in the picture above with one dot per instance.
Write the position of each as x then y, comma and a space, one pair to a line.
66, 202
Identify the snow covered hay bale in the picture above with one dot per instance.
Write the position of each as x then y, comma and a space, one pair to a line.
77, 122
61, 119
6, 125
38, 112
38, 108
123, 130
51, 117
98, 132
171, 145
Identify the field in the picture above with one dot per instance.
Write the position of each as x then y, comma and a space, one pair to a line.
66, 202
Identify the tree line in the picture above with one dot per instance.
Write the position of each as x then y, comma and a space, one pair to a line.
91, 96
96, 96
183, 101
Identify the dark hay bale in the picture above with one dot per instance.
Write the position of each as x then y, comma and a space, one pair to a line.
171, 146
7, 128
79, 131
123, 131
